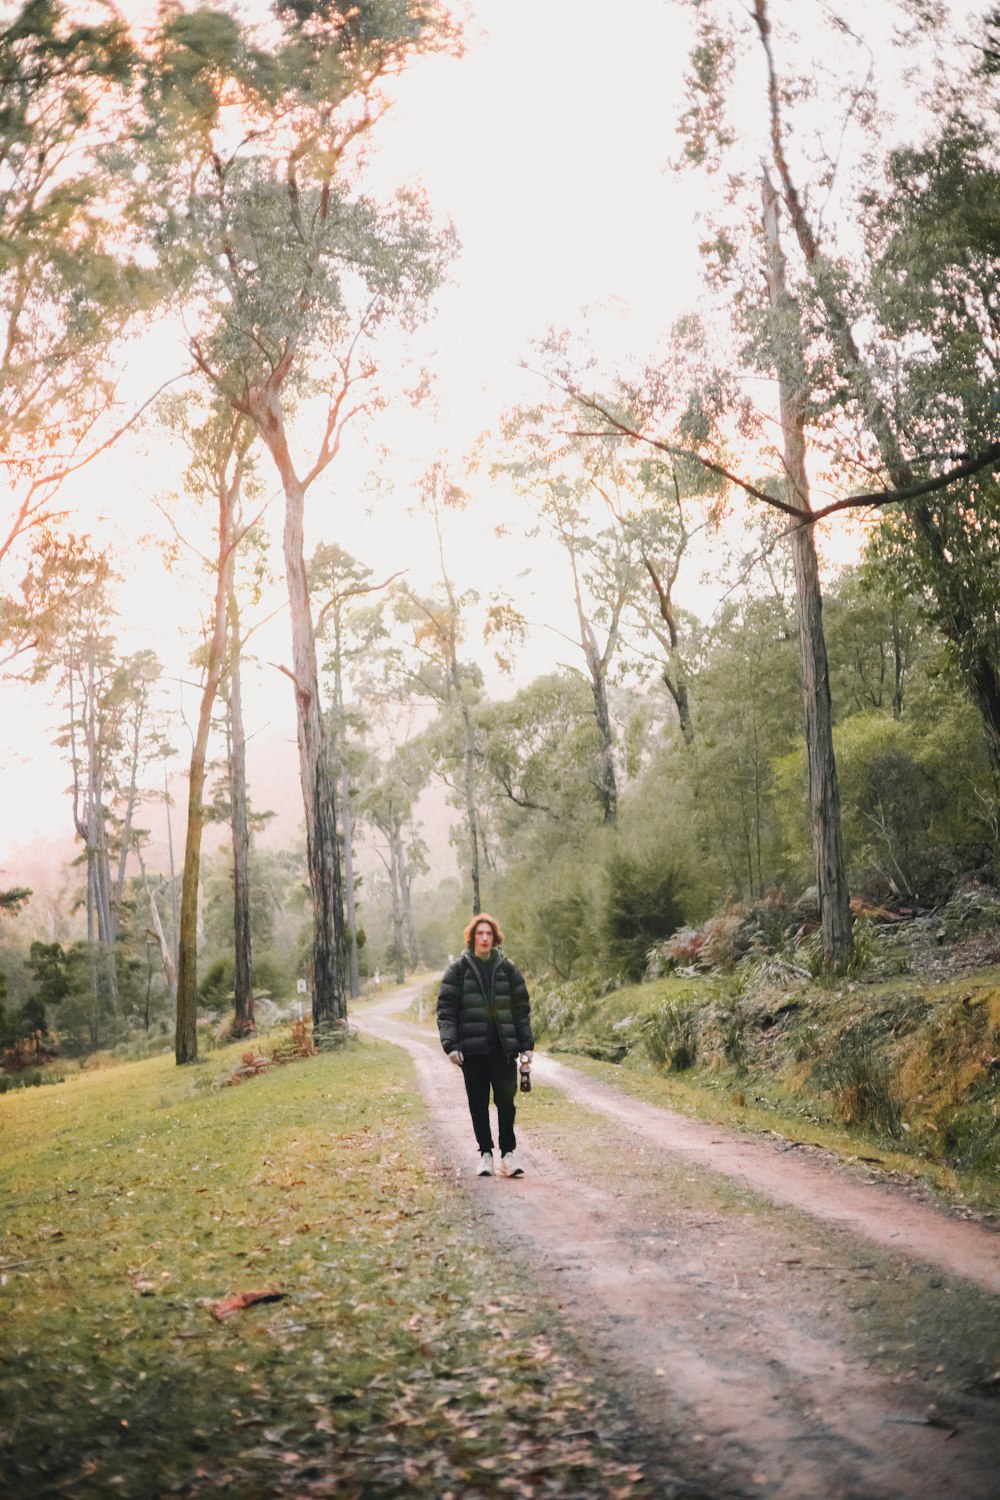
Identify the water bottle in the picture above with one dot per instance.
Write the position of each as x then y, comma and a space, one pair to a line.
525, 1079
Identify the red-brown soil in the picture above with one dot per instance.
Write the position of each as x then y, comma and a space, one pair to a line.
778, 1326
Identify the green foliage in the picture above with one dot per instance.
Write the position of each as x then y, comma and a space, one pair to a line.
68, 285
936, 233
915, 796
537, 750
29, 1078
562, 1009
876, 640
971, 1137
388, 1314
13, 899
670, 1036
50, 966
642, 904
858, 1079
748, 712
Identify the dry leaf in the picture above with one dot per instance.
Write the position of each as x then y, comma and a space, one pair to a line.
228, 1305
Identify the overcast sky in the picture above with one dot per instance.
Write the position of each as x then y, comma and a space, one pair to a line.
547, 146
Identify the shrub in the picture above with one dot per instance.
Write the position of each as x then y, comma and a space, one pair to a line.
31, 1078
217, 985
720, 948
733, 1036
682, 949
560, 1009
971, 1138
642, 905
857, 1079
670, 1035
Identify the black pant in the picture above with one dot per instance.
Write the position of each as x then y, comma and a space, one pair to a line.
498, 1072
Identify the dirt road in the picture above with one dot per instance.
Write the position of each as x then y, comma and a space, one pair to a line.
777, 1328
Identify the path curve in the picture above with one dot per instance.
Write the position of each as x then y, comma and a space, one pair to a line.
881, 1214
742, 1370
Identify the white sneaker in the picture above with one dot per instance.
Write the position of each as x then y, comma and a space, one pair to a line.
509, 1167
485, 1168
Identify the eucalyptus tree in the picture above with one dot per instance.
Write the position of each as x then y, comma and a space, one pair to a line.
930, 280
351, 624
565, 490
818, 331
603, 571
220, 446
239, 823
651, 501
877, 635
109, 735
288, 275
537, 751
748, 713
936, 245
70, 287
390, 791
429, 666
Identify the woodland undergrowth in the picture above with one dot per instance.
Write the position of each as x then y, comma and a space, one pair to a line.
897, 1060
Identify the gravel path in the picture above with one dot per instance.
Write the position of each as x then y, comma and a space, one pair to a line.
777, 1328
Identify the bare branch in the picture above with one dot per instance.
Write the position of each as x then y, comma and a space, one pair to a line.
969, 464
356, 593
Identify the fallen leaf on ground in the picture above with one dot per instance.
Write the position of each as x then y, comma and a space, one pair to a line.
226, 1306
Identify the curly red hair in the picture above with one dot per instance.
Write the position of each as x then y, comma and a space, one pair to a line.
483, 916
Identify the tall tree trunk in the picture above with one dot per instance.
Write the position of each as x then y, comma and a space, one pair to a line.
405, 887
350, 895
981, 673
106, 923
824, 796
243, 1018
322, 845
175, 917
166, 952
392, 828
898, 666
471, 811
673, 673
186, 1033
130, 801
606, 781
347, 820
676, 686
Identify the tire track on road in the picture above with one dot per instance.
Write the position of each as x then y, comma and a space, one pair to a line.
749, 1392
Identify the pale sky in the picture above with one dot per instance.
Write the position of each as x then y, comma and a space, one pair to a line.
546, 145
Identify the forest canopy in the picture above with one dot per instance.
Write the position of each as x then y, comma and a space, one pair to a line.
701, 630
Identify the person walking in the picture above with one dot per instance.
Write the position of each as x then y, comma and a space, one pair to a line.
484, 1022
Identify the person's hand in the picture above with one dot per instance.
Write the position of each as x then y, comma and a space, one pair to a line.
526, 1059
457, 1058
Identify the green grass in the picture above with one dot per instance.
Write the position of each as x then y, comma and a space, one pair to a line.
404, 1356
904, 1071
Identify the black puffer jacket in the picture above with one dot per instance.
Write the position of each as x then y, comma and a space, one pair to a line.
466, 1008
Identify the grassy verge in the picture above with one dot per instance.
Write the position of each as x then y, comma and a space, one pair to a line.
398, 1357
903, 1074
